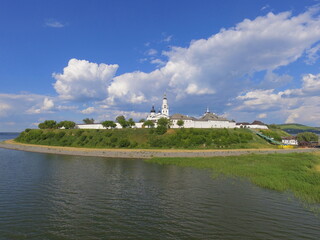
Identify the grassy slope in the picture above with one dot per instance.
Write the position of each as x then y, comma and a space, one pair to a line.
295, 172
297, 127
144, 138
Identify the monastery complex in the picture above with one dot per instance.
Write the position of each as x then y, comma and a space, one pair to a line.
207, 120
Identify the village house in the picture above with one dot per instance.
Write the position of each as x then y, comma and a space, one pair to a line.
292, 140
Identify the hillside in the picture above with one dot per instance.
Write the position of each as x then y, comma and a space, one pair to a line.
147, 138
295, 128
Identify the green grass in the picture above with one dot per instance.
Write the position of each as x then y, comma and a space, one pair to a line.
295, 172
297, 127
148, 138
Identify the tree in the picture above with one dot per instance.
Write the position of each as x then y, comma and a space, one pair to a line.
161, 129
122, 121
66, 124
148, 123
142, 120
109, 124
48, 124
164, 122
163, 125
131, 123
307, 137
88, 120
180, 123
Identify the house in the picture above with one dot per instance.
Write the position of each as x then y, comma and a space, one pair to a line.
292, 140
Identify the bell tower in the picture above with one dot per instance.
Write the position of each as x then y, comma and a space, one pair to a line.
165, 107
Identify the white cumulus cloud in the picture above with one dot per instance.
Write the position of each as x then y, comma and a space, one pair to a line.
220, 65
46, 107
82, 80
291, 105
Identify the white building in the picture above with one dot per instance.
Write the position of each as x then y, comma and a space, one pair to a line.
292, 140
255, 125
163, 113
208, 120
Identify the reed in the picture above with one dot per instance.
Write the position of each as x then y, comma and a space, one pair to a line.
294, 172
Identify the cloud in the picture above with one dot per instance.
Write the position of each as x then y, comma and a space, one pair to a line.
262, 115
167, 39
152, 52
265, 7
82, 80
3, 109
193, 89
292, 105
12, 104
88, 110
221, 65
273, 80
218, 71
311, 84
54, 23
46, 107
158, 62
312, 54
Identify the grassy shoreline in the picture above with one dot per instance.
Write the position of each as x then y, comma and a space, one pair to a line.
148, 139
297, 173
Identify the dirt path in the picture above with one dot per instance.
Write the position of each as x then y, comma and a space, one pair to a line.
140, 153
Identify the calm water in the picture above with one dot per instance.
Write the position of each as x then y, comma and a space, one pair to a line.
46, 196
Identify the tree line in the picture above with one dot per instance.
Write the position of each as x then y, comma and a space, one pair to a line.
162, 125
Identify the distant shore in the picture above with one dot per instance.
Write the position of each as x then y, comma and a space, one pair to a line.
140, 153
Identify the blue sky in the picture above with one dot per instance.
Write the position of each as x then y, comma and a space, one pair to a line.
246, 59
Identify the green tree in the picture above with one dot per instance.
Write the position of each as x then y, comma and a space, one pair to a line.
307, 137
142, 120
122, 121
88, 120
163, 125
148, 123
66, 124
180, 123
109, 124
48, 124
164, 122
131, 123
161, 129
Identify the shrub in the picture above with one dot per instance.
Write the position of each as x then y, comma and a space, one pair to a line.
160, 130
307, 137
124, 143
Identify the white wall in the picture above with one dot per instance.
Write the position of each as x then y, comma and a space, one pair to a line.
90, 126
252, 126
204, 124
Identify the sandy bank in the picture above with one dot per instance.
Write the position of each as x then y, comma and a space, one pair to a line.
139, 153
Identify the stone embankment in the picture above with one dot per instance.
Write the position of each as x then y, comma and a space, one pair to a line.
141, 153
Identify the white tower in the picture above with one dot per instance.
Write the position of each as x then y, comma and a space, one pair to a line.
165, 107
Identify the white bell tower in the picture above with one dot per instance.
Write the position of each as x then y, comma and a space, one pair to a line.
165, 107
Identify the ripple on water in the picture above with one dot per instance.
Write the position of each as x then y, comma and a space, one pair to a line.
46, 196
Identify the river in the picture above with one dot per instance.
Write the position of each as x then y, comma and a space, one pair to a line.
46, 196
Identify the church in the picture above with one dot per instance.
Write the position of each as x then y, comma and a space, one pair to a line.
163, 113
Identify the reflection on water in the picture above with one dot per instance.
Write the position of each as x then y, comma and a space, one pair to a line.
46, 196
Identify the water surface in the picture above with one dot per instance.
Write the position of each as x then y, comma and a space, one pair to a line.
45, 196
